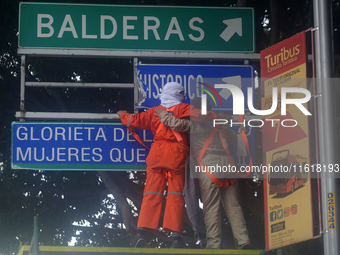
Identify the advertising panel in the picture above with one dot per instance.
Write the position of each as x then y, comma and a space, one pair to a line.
287, 189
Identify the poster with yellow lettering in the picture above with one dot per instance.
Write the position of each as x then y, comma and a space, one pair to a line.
287, 185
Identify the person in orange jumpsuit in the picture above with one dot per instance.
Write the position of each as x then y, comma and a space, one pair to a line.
165, 163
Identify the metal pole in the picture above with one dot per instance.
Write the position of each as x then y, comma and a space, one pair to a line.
35, 237
135, 82
318, 100
22, 83
316, 131
324, 70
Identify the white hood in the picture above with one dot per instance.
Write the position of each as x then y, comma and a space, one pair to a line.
172, 94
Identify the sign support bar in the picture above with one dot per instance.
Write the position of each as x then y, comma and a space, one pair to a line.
66, 115
140, 54
324, 68
79, 85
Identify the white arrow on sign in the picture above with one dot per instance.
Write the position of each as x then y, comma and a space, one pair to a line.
234, 80
233, 26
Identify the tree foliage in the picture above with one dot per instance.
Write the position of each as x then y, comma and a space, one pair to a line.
61, 198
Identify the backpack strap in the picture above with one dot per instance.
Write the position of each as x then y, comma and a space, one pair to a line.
137, 137
220, 183
224, 142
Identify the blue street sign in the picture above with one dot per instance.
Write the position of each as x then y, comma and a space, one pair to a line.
155, 76
77, 146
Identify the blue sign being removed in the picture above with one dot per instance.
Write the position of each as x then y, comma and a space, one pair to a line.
194, 79
153, 77
77, 146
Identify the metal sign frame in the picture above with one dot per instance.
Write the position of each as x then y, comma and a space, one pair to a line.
24, 115
111, 53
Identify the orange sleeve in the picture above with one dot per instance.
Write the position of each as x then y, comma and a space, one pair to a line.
185, 111
141, 120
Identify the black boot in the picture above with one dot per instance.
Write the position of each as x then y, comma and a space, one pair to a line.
178, 243
140, 239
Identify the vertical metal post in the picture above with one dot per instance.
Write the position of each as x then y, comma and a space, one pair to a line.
135, 81
22, 82
36, 236
319, 107
326, 117
279, 251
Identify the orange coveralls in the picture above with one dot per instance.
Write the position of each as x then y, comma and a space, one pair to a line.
165, 162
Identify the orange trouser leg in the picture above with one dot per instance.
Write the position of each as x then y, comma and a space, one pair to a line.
153, 197
174, 209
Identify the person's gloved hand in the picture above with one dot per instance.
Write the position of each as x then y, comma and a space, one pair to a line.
120, 112
159, 110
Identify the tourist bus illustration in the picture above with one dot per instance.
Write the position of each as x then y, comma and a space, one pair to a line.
285, 182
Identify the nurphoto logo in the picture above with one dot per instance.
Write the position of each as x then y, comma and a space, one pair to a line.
238, 104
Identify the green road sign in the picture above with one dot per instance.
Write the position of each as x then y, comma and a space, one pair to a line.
136, 28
